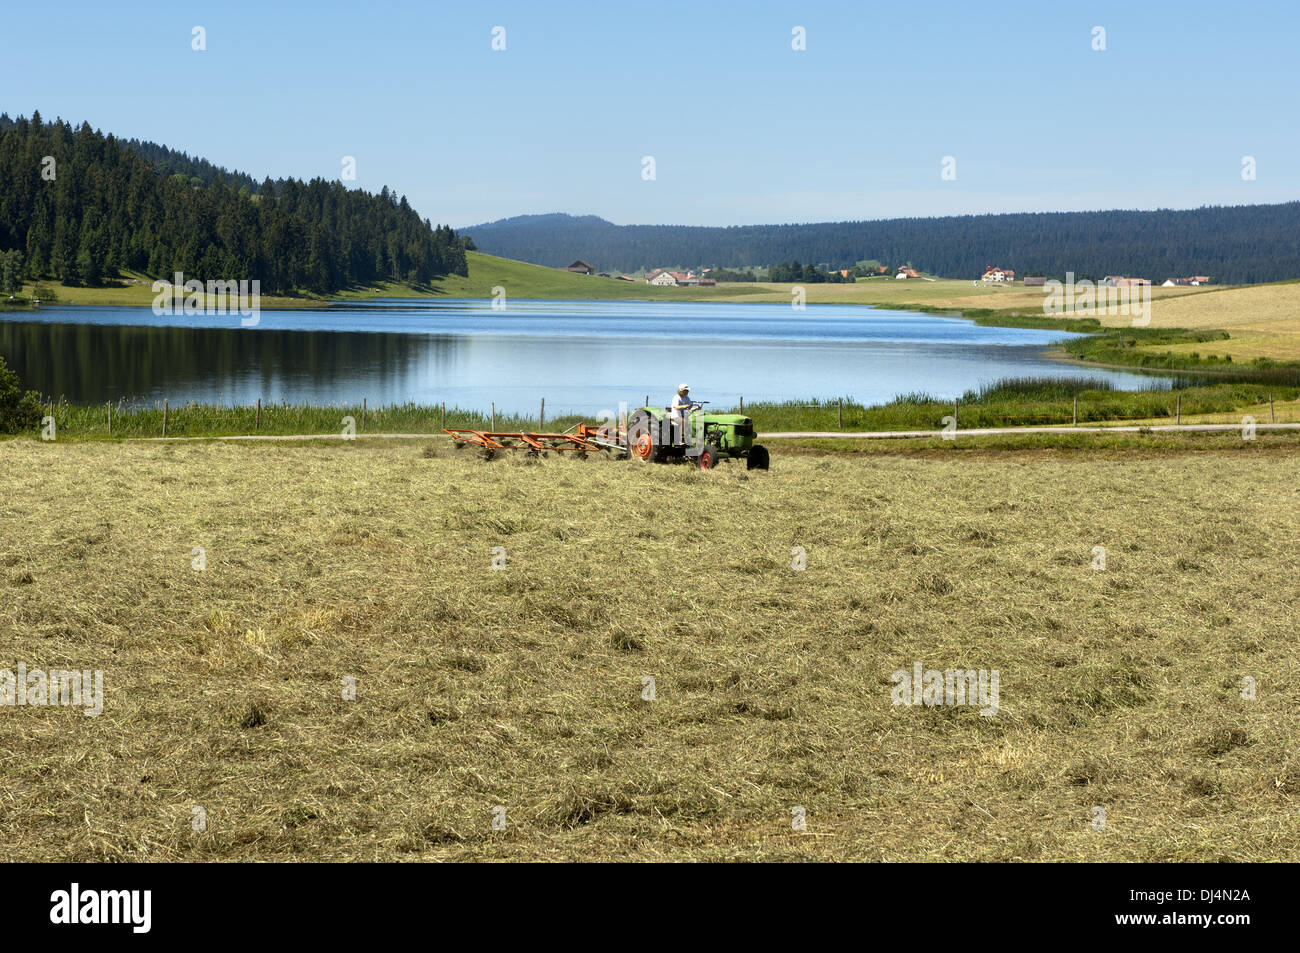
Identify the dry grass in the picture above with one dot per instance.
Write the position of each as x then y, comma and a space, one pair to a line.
1264, 320
1252, 307
523, 688
948, 293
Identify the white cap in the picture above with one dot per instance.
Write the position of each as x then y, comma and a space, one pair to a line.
682, 387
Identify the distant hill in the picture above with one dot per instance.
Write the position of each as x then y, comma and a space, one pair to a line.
1233, 244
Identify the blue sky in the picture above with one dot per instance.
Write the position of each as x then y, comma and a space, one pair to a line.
743, 128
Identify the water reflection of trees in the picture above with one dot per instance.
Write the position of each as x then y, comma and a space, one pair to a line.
89, 363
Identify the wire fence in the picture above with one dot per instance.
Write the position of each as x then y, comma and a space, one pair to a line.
165, 419
191, 419
1086, 409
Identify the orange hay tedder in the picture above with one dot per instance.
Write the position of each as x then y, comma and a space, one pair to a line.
649, 434
582, 439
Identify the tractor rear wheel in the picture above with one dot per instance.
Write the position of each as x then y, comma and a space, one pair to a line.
709, 457
643, 438
757, 459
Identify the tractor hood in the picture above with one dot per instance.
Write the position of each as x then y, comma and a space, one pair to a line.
726, 420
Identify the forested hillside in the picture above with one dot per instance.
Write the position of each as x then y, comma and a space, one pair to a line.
104, 205
1234, 245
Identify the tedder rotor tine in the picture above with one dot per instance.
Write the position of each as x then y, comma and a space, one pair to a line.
586, 439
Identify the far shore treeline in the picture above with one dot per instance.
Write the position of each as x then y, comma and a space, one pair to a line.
79, 206
1241, 244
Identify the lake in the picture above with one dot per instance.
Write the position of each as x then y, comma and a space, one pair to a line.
581, 356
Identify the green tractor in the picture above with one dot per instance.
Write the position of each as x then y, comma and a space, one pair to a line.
654, 435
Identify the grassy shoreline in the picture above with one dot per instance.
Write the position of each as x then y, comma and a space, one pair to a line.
1008, 403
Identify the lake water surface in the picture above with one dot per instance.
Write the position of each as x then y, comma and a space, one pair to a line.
581, 356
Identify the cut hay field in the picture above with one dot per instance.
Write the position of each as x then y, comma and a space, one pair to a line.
523, 688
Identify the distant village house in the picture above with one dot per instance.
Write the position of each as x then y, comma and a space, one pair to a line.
689, 278
580, 267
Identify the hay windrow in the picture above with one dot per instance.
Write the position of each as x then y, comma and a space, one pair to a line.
525, 688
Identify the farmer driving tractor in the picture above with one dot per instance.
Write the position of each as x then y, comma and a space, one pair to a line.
682, 407
682, 431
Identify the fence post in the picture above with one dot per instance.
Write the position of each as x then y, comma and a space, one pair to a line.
1272, 417
110, 418
257, 424
541, 417
1075, 422
1178, 411
647, 401
742, 403
164, 418
444, 415
839, 412
955, 404
494, 416
363, 413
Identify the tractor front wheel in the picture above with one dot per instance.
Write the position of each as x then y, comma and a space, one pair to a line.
709, 457
757, 459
